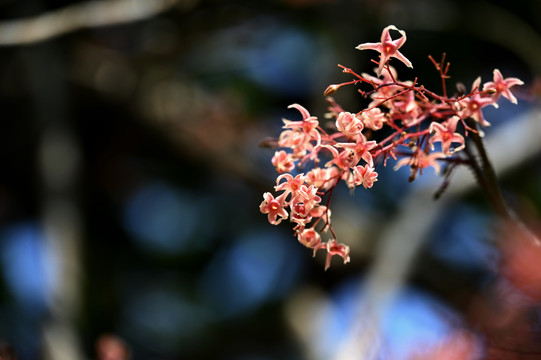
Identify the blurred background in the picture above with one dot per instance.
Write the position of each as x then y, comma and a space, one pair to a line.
132, 175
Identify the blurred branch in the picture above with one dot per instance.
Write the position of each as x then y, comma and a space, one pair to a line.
74, 17
59, 158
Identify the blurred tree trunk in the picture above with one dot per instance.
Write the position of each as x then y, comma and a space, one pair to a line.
58, 162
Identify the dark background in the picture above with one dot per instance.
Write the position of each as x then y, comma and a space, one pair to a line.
136, 145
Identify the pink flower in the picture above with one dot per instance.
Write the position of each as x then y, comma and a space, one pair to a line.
409, 108
322, 178
292, 184
501, 86
387, 78
305, 199
421, 160
445, 133
299, 134
383, 92
365, 176
473, 105
349, 124
309, 237
388, 48
282, 162
342, 159
296, 140
298, 217
373, 118
334, 248
321, 211
274, 208
361, 149
308, 123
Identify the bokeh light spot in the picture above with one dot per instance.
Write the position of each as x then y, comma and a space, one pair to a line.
259, 267
27, 267
161, 218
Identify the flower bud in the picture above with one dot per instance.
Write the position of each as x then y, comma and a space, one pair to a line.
331, 89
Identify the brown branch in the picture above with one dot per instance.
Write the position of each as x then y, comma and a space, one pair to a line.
70, 18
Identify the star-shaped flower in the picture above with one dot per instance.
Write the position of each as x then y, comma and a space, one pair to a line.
473, 104
445, 133
360, 149
274, 207
308, 124
365, 176
388, 48
421, 160
501, 86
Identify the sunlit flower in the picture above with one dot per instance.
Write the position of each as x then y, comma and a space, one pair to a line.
360, 149
473, 105
349, 124
342, 159
282, 162
296, 140
373, 118
321, 211
308, 123
307, 196
409, 108
291, 185
388, 48
322, 178
334, 248
421, 160
274, 208
383, 92
365, 176
445, 133
309, 237
501, 86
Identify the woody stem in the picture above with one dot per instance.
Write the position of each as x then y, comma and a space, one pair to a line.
485, 174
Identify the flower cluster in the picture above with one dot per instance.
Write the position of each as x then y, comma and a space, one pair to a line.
413, 119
